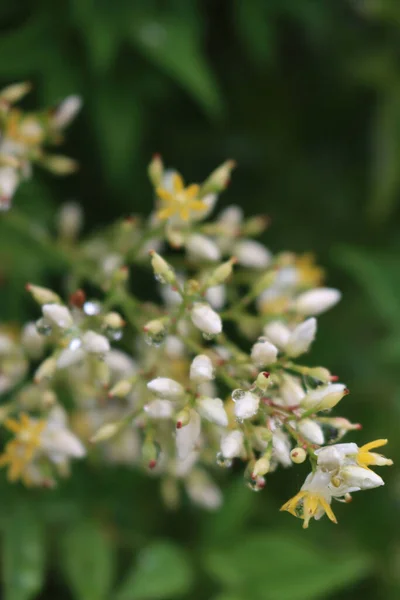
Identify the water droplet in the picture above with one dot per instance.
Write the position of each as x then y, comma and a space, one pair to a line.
255, 484
113, 333
160, 278
43, 327
91, 308
75, 344
238, 395
223, 462
155, 340
208, 336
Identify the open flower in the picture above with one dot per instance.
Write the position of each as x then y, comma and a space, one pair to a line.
181, 201
313, 500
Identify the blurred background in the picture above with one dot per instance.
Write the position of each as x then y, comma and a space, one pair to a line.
305, 95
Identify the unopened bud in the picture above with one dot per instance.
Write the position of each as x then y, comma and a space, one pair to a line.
106, 432
156, 170
43, 295
14, 92
150, 453
60, 165
120, 389
46, 370
255, 225
70, 220
162, 270
319, 373
261, 467
113, 320
298, 455
264, 282
182, 418
221, 273
219, 179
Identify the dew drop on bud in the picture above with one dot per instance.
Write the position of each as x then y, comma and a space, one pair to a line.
155, 339
43, 327
257, 484
238, 395
160, 278
208, 336
223, 462
91, 308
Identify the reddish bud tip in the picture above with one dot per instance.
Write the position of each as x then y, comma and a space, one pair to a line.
234, 260
261, 484
295, 453
151, 252
346, 391
28, 287
179, 425
77, 298
152, 464
334, 377
145, 329
156, 156
266, 374
358, 426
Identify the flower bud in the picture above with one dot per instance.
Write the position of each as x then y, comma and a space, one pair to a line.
201, 369
120, 389
362, 479
261, 467
182, 418
188, 435
113, 320
213, 410
324, 397
264, 353
66, 111
221, 273
216, 296
42, 295
94, 343
58, 315
70, 220
159, 409
150, 453
298, 455
317, 301
200, 247
32, 341
232, 444
246, 404
166, 388
156, 331
319, 373
206, 319
162, 270
310, 430
106, 432
219, 179
15, 92
264, 282
277, 333
46, 370
156, 170
60, 165
263, 381
252, 254
301, 338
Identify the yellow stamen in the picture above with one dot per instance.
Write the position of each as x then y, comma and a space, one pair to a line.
311, 504
365, 458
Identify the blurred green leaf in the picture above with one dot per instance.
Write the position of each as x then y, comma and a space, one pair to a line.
23, 555
174, 44
87, 561
163, 571
255, 26
277, 566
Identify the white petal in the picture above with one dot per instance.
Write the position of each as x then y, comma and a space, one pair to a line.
277, 333
311, 431
201, 369
95, 343
252, 254
317, 301
232, 444
216, 296
69, 357
357, 477
159, 409
58, 315
301, 338
206, 319
264, 354
324, 396
165, 388
213, 410
66, 111
200, 247
291, 390
246, 406
187, 437
32, 341
281, 448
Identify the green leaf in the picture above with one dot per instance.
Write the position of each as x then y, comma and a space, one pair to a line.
174, 44
255, 26
162, 571
23, 555
278, 566
87, 561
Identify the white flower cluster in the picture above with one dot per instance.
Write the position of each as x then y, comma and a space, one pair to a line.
23, 137
161, 384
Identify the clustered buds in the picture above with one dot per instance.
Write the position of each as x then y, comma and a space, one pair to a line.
162, 384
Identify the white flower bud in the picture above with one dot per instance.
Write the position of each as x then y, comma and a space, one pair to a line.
201, 369
311, 431
70, 220
203, 491
14, 92
357, 477
277, 333
162, 270
281, 448
46, 370
301, 338
252, 254
188, 435
165, 388
246, 406
317, 301
69, 357
264, 354
200, 247
159, 409
66, 111
58, 315
94, 343
261, 467
291, 391
324, 397
59, 164
42, 295
9, 180
113, 320
206, 319
174, 347
221, 273
218, 180
156, 170
32, 341
216, 296
213, 410
120, 389
106, 432
232, 444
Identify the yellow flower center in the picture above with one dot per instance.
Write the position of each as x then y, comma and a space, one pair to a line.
20, 452
305, 505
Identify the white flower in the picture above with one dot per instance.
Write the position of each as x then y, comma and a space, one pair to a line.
317, 301
252, 254
94, 343
200, 247
213, 410
66, 111
325, 396
311, 431
301, 338
202, 490
201, 369
264, 353
32, 341
159, 409
206, 319
165, 388
57, 441
246, 405
232, 444
353, 478
277, 333
188, 435
58, 315
216, 296
281, 448
291, 390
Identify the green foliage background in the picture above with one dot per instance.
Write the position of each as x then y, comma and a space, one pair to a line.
305, 95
